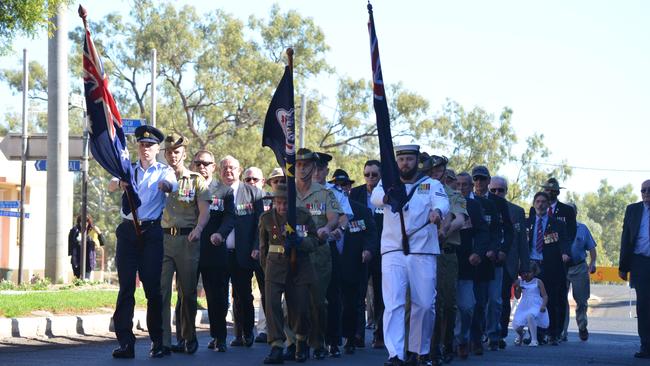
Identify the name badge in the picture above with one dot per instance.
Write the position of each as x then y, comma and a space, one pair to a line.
186, 194
302, 231
244, 209
424, 188
551, 238
217, 204
357, 226
316, 209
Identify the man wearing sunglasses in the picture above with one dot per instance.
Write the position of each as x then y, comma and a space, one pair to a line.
635, 260
253, 176
186, 213
518, 255
488, 302
361, 194
214, 257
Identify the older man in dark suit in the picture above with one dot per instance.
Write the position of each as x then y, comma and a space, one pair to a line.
635, 260
361, 194
242, 245
550, 247
518, 254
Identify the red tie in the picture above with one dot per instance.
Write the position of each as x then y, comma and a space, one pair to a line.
539, 245
550, 211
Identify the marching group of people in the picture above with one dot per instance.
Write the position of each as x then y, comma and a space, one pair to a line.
442, 270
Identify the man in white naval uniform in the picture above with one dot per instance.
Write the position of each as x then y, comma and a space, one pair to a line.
415, 270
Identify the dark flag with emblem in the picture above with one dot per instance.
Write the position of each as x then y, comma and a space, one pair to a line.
390, 179
280, 135
107, 142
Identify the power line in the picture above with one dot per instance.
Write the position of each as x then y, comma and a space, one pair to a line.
596, 169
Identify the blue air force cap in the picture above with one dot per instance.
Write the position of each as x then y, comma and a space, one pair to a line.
146, 133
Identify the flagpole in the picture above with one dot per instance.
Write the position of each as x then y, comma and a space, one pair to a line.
293, 259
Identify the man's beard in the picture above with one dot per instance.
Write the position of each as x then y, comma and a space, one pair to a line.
408, 175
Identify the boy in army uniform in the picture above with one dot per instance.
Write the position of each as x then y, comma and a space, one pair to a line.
284, 277
185, 215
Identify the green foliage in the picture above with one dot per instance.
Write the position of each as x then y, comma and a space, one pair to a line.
603, 212
25, 17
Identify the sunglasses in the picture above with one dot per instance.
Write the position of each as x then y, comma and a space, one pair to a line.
201, 162
645, 190
251, 179
497, 190
372, 174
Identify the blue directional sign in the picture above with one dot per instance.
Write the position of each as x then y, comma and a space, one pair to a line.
9, 204
12, 214
73, 165
129, 125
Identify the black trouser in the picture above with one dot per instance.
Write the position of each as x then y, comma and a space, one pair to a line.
374, 274
333, 333
557, 294
506, 291
242, 294
143, 257
215, 284
259, 277
350, 305
640, 279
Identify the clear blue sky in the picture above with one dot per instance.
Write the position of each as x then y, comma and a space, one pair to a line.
577, 71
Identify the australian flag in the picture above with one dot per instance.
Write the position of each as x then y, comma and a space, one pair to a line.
391, 182
107, 142
280, 135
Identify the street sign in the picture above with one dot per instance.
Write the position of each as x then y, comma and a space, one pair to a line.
9, 204
73, 165
13, 214
12, 144
129, 125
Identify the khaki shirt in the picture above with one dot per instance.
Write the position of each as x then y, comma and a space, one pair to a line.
181, 208
457, 207
271, 228
319, 201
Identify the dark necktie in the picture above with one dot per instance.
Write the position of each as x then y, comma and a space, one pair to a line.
550, 211
539, 245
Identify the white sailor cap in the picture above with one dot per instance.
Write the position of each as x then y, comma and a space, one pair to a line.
407, 149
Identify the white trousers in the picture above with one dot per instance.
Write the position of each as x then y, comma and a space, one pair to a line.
418, 273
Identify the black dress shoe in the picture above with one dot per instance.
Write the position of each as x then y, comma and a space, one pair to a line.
411, 359
166, 351
642, 354
179, 347
237, 342
275, 357
394, 361
220, 346
157, 351
334, 351
248, 341
261, 338
191, 346
502, 343
126, 351
349, 347
320, 353
212, 343
359, 342
301, 352
290, 353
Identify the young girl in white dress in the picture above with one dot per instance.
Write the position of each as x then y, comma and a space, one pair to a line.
531, 310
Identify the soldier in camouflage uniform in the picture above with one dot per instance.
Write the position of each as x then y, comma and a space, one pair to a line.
283, 277
325, 211
186, 213
447, 276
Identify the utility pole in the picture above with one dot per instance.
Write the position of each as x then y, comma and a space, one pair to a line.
23, 168
84, 196
59, 195
153, 87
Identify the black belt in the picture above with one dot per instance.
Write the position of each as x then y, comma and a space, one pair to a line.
449, 250
174, 231
573, 264
144, 223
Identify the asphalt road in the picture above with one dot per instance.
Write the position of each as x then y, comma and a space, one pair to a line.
613, 341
